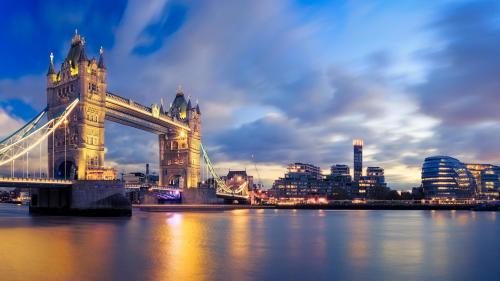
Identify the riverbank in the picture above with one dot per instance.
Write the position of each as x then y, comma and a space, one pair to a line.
195, 207
218, 208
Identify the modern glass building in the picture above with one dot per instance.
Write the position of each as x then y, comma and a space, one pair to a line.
358, 158
340, 177
487, 178
373, 183
447, 177
340, 170
301, 181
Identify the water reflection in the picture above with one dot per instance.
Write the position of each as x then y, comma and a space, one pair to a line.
179, 254
359, 241
252, 245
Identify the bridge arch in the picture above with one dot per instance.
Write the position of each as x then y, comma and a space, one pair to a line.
175, 181
66, 170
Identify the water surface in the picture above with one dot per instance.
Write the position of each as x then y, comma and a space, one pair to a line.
252, 245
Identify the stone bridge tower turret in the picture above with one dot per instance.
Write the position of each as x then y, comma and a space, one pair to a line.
76, 150
179, 148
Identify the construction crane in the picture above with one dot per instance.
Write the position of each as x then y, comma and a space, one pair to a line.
257, 170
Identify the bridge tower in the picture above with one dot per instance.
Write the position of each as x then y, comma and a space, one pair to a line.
180, 149
76, 151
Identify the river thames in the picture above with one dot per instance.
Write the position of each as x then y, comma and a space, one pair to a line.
252, 245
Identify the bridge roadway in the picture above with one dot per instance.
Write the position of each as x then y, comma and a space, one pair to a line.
9, 182
130, 113
34, 183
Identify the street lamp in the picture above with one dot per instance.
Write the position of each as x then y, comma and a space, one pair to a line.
65, 146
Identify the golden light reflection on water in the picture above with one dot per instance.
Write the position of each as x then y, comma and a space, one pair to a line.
359, 246
238, 245
396, 244
178, 256
239, 242
321, 237
29, 253
238, 236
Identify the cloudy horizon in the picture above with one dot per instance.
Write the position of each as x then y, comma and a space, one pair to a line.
279, 81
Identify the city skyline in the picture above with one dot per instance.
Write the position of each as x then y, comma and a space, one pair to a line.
298, 87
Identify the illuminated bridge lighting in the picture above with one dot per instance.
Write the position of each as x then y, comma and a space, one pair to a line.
34, 180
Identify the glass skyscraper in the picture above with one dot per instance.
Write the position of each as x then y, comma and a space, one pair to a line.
447, 177
358, 159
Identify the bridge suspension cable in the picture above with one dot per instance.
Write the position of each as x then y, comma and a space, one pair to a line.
27, 138
222, 188
22, 132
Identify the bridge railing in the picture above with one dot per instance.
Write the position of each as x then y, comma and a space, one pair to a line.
118, 98
129, 102
145, 110
34, 180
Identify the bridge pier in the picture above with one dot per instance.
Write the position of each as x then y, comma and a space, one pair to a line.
200, 195
83, 198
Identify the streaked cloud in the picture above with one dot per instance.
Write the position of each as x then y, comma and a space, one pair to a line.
284, 81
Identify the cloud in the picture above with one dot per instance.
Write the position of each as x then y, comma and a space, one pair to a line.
29, 89
463, 86
286, 85
130, 146
8, 125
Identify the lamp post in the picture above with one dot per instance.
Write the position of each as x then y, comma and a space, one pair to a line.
65, 146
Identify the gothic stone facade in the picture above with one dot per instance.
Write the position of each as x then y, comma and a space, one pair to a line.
83, 133
180, 149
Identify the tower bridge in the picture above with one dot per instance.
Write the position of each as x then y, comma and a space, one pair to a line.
78, 103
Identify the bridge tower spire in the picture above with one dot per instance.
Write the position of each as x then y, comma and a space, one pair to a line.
76, 151
180, 149
51, 73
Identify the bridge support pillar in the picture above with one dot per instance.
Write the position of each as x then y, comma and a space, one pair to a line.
50, 199
84, 198
200, 196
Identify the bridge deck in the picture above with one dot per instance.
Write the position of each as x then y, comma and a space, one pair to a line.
33, 183
130, 113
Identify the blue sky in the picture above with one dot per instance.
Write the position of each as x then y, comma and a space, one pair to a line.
283, 80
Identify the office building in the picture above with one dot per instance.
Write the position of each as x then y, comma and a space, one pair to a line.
445, 177
358, 159
487, 179
301, 181
340, 177
340, 170
373, 184
238, 179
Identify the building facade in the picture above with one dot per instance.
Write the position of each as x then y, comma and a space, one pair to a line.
373, 185
358, 159
180, 149
238, 179
340, 177
340, 170
76, 150
301, 181
445, 177
487, 177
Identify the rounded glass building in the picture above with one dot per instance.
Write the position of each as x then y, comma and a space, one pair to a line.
446, 177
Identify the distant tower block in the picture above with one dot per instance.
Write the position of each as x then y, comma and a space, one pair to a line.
358, 158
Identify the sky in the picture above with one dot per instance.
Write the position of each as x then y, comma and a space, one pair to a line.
282, 81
